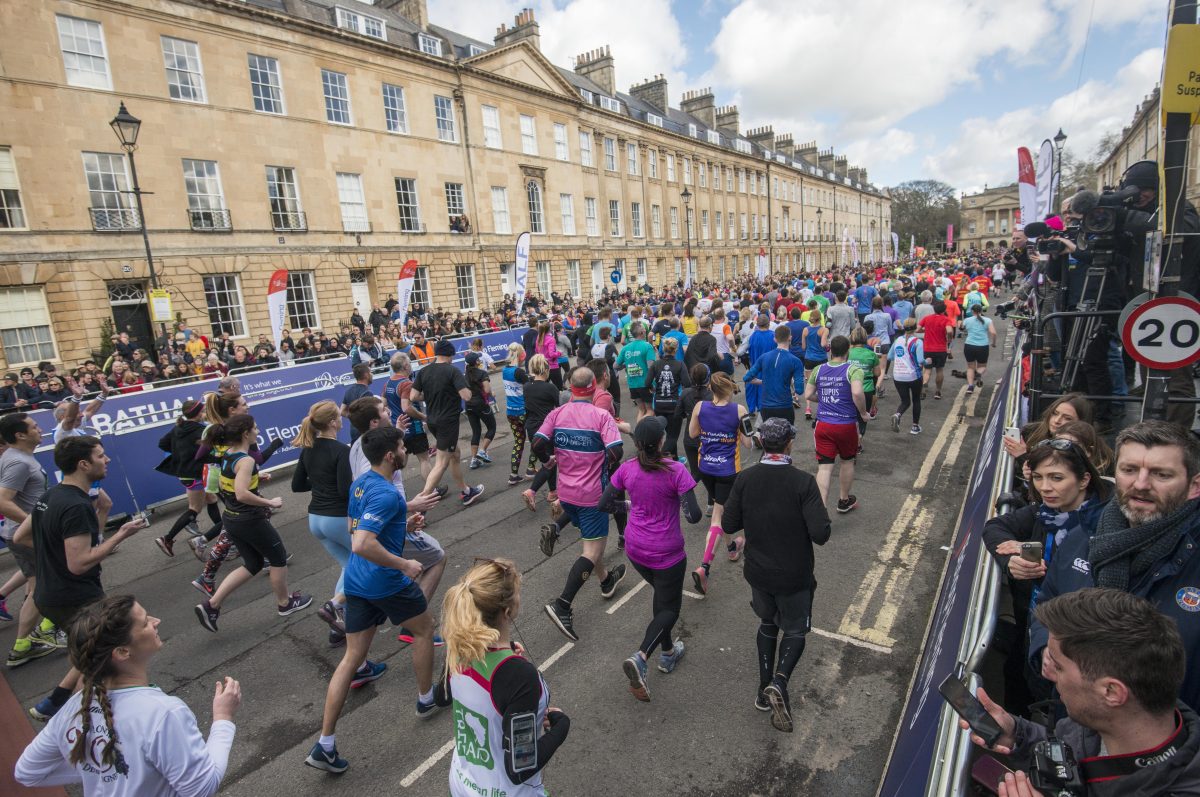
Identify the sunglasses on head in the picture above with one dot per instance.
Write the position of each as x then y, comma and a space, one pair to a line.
1059, 444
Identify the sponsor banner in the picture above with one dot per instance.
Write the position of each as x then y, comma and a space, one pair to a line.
521, 268
1045, 181
404, 287
949, 236
916, 737
277, 304
1027, 186
895, 246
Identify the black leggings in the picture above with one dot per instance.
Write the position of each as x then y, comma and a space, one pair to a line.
668, 599
674, 425
257, 541
486, 418
910, 393
693, 457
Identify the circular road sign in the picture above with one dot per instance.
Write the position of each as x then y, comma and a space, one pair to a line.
1164, 333
615, 276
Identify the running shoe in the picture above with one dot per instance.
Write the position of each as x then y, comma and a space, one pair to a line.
548, 538
735, 551
916, 429
860, 449
938, 395
761, 703
44, 710
530, 498
193, 528
475, 463
808, 415
846, 505
166, 545
441, 491
874, 412
608, 587
370, 671
52, 637
970, 388
668, 661
295, 603
620, 542
635, 670
700, 580
556, 510
896, 422
515, 478
781, 714
427, 710
407, 638
330, 614
199, 547
328, 761
562, 619
530, 473
207, 615
336, 638
205, 585
979, 381
708, 512
4, 615
471, 495
484, 457
36, 650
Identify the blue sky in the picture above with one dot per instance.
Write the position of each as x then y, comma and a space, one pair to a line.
908, 89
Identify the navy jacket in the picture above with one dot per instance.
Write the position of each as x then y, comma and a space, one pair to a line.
1172, 585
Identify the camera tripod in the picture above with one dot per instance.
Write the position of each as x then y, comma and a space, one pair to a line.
1086, 328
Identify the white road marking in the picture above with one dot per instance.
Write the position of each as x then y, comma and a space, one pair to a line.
625, 598
448, 747
695, 595
851, 640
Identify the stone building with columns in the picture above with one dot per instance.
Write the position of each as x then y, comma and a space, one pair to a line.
339, 139
988, 218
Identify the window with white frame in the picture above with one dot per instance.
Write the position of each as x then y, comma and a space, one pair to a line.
561, 150
652, 163
754, 225
283, 197
745, 226
421, 295
566, 205
464, 280
717, 226
741, 175
361, 23
635, 219
226, 310
542, 270
614, 218
729, 179
12, 212
687, 171
500, 219
573, 286
689, 216
430, 45
337, 97
609, 104
301, 301
721, 266
528, 135
704, 225
731, 232
631, 158
654, 119
407, 204
185, 77
743, 146
589, 216
610, 154
678, 269
475, 49
714, 137
108, 187
491, 127
537, 223
587, 95
693, 131
703, 170
674, 216
670, 168
394, 113
656, 221
762, 184
641, 270
456, 204
585, 149
84, 54
265, 83
25, 326
443, 110
206, 203
753, 178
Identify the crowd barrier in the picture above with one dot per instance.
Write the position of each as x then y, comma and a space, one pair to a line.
930, 755
131, 424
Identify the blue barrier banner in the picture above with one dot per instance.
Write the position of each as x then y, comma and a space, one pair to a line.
912, 756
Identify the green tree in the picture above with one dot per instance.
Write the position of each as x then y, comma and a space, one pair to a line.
923, 209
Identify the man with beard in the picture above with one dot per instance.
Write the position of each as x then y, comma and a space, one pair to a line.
1146, 541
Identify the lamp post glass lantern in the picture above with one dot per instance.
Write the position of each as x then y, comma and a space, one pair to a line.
686, 196
1060, 139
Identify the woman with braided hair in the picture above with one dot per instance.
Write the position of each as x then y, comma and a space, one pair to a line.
119, 735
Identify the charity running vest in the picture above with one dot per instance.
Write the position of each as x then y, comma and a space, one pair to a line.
835, 401
718, 439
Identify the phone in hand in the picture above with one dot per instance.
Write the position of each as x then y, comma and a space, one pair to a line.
967, 706
1032, 551
1012, 433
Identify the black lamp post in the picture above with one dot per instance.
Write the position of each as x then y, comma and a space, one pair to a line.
686, 196
127, 126
1060, 139
820, 242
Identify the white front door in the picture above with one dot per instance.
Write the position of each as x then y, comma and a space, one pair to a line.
597, 277
360, 292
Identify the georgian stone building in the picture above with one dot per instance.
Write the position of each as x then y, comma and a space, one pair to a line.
1139, 141
988, 218
339, 139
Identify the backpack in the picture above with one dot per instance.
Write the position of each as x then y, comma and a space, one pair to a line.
665, 390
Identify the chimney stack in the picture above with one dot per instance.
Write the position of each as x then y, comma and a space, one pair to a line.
762, 136
701, 104
653, 92
597, 66
785, 147
825, 160
415, 11
727, 120
808, 152
524, 27
840, 164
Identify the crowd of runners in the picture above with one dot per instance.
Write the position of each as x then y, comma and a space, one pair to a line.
822, 346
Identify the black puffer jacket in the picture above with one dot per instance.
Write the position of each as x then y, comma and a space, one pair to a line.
181, 443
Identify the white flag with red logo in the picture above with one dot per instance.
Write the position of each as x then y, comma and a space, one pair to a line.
277, 304
404, 287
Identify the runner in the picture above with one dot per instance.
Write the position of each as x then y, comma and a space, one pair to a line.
693, 395
479, 410
499, 695
587, 443
841, 404
379, 587
547, 346
981, 334
635, 358
779, 372
937, 328
869, 362
668, 377
397, 391
181, 442
541, 397
723, 332
907, 355
719, 427
247, 523
120, 734
324, 470
515, 379
815, 344
756, 344
443, 388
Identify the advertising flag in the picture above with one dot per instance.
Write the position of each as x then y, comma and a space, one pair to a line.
1026, 186
1045, 179
912, 245
854, 251
277, 304
761, 268
949, 237
896, 245
404, 287
845, 244
521, 268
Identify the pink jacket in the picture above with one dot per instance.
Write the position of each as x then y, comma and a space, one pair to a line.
549, 350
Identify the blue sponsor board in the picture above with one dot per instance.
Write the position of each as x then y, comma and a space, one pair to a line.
916, 737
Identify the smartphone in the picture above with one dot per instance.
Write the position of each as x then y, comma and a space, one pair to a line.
143, 517
747, 425
523, 737
1032, 551
989, 773
967, 706
1012, 433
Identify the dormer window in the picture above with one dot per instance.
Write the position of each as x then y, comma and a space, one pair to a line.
654, 119
430, 45
609, 104
475, 49
361, 23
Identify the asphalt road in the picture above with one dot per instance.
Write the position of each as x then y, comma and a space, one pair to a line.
700, 735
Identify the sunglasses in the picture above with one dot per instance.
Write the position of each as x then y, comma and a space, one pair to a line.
1059, 444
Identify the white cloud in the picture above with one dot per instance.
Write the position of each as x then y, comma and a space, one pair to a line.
891, 146
984, 150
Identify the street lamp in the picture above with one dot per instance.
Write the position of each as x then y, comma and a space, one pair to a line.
871, 242
820, 242
686, 196
1060, 139
127, 126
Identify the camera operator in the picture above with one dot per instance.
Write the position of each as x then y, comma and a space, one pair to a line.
1118, 664
1017, 258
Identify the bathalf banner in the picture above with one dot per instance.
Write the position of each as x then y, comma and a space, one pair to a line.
130, 425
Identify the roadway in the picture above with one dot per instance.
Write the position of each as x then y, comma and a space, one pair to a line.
700, 735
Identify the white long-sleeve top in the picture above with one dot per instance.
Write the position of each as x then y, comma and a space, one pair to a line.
162, 753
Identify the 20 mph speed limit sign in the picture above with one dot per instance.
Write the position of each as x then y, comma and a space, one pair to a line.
1164, 333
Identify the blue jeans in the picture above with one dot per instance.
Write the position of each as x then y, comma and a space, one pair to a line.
334, 534
1116, 367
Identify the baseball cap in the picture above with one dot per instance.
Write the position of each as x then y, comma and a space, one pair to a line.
776, 431
444, 348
